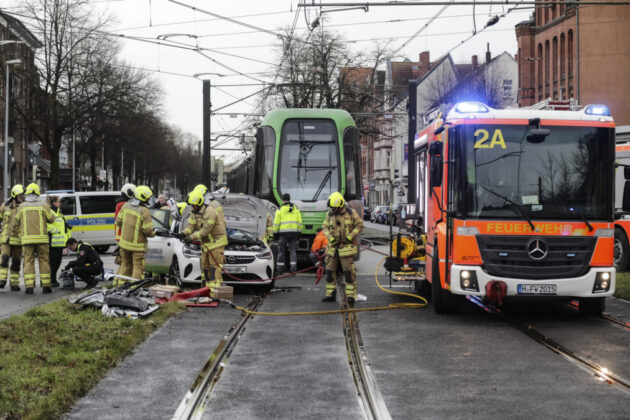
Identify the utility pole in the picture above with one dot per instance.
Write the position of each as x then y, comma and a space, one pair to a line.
411, 161
205, 164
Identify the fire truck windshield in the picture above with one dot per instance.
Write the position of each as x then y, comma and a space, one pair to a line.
566, 175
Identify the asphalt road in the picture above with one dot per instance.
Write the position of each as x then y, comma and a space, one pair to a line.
471, 365
12, 303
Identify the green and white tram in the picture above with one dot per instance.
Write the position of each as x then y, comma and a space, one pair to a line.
309, 154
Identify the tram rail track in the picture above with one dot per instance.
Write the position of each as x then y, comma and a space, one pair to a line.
194, 402
607, 317
599, 372
370, 398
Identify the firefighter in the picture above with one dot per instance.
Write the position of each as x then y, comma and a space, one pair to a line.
134, 221
341, 227
10, 239
287, 225
207, 225
126, 193
88, 263
32, 218
59, 233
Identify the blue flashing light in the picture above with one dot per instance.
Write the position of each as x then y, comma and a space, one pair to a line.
597, 109
471, 107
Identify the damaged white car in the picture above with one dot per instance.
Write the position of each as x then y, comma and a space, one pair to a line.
247, 258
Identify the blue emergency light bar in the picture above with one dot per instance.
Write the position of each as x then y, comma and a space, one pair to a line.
470, 107
597, 109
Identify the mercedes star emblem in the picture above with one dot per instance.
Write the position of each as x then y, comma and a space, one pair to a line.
537, 249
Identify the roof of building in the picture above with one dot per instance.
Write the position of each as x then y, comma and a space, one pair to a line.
18, 27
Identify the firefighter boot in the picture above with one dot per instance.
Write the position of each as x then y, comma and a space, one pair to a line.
29, 291
15, 288
46, 290
331, 289
2, 284
350, 287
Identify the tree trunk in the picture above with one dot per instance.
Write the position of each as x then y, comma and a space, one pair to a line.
93, 167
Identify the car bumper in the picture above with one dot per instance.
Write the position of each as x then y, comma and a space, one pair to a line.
258, 272
567, 287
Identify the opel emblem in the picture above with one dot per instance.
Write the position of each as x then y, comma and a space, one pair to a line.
231, 259
537, 249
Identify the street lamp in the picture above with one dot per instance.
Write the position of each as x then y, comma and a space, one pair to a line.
6, 128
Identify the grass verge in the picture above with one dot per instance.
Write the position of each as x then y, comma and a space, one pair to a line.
54, 354
622, 289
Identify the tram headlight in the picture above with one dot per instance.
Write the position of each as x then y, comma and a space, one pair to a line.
602, 282
468, 280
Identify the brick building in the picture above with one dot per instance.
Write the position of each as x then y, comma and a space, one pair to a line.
560, 60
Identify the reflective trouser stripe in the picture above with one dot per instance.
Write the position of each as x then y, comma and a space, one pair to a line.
41, 250
351, 290
4, 273
15, 253
132, 265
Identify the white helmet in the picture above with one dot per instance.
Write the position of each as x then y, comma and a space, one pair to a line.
128, 190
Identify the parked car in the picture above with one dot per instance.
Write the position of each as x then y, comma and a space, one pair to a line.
247, 257
91, 215
376, 214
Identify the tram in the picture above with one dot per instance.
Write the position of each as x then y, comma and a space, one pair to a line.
309, 154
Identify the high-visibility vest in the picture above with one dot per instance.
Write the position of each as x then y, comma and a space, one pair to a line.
136, 226
33, 218
288, 220
59, 235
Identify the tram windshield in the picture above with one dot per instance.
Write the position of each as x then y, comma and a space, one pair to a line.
309, 160
564, 174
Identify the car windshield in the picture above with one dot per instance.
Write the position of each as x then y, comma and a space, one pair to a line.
240, 235
309, 168
566, 174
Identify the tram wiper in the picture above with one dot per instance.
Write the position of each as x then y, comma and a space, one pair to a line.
515, 204
581, 214
321, 186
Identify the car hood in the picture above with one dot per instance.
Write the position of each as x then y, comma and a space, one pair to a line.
244, 212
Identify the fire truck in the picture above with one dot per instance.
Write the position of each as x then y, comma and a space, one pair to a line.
517, 203
622, 198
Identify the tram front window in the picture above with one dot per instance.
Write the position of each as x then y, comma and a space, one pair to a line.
309, 163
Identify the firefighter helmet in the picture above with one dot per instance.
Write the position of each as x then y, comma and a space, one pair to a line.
32, 188
336, 200
18, 189
195, 198
143, 193
128, 190
200, 188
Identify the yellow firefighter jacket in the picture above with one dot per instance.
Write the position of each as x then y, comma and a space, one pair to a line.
208, 226
32, 220
135, 227
9, 234
342, 231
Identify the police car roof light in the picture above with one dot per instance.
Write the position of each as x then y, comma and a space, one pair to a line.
597, 109
470, 107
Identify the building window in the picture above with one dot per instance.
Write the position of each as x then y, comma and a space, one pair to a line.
546, 15
547, 60
507, 88
553, 12
555, 66
563, 57
570, 53
539, 60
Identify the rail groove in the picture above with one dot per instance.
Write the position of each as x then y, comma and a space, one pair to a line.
193, 404
599, 372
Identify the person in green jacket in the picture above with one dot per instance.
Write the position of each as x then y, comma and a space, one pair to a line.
287, 226
58, 234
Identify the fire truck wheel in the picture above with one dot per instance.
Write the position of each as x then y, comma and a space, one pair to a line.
621, 250
592, 306
444, 302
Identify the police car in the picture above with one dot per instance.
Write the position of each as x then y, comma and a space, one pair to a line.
91, 215
247, 258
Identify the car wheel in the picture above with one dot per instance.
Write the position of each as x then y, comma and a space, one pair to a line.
621, 250
592, 306
101, 249
174, 275
444, 302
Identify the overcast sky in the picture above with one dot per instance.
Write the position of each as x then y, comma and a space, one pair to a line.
182, 104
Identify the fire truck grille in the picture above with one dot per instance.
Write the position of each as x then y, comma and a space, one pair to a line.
509, 256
